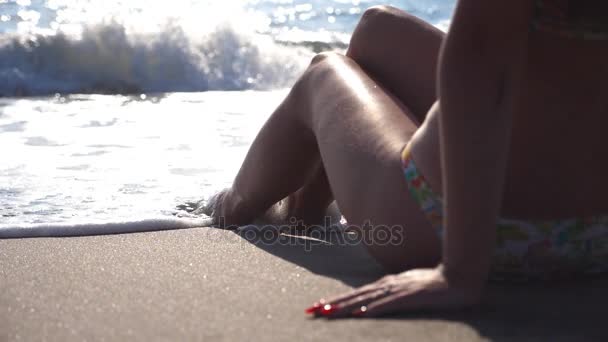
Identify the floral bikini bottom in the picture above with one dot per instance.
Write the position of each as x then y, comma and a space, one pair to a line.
527, 249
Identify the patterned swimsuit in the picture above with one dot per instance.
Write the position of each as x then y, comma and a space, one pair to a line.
526, 249
538, 248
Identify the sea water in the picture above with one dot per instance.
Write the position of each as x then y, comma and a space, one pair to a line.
118, 110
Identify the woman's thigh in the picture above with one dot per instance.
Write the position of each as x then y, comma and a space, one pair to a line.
400, 51
360, 130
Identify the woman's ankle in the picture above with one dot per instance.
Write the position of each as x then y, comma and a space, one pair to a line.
306, 208
235, 210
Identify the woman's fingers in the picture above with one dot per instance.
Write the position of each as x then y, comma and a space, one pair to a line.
398, 302
345, 305
425, 289
386, 299
352, 305
414, 298
380, 283
325, 307
382, 306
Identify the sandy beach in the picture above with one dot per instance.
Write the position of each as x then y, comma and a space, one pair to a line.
214, 285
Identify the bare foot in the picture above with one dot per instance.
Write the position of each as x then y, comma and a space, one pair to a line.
213, 206
221, 207
294, 211
229, 212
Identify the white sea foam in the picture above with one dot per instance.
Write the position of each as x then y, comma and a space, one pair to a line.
112, 158
87, 229
90, 164
106, 58
89, 46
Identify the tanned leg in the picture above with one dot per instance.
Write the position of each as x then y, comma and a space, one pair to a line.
400, 52
336, 113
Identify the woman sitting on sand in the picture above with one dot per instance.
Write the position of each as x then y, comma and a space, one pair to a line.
487, 146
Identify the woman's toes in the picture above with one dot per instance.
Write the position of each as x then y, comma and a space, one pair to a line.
291, 211
210, 207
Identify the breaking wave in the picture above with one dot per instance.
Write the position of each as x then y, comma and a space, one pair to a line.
107, 58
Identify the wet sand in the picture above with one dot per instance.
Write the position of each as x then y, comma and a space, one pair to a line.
214, 285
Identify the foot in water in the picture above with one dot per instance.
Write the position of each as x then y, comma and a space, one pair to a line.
213, 207
222, 207
298, 212
292, 211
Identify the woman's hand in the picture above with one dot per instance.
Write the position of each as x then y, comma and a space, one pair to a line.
419, 289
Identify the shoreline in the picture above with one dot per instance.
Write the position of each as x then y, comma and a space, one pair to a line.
212, 284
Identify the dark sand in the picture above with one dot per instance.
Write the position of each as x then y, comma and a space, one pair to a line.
209, 284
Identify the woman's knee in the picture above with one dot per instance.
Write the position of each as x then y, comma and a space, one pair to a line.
324, 57
375, 24
381, 12
383, 26
320, 79
323, 65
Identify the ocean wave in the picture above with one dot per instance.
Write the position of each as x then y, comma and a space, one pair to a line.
107, 58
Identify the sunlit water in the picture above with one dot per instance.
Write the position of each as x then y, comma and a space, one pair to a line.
99, 158
114, 46
180, 136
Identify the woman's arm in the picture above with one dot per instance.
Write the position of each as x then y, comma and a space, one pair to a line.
482, 58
